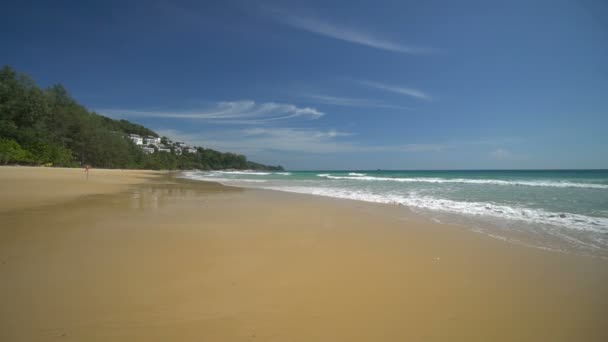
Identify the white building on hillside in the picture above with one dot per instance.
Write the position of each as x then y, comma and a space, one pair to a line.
147, 150
136, 139
149, 140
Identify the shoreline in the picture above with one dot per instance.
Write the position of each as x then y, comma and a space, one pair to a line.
528, 234
165, 259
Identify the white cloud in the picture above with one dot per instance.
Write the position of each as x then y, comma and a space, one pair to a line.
351, 35
276, 139
351, 102
398, 90
234, 112
255, 140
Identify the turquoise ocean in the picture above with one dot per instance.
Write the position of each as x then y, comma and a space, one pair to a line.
564, 210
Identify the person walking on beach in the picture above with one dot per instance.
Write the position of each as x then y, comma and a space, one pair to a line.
86, 170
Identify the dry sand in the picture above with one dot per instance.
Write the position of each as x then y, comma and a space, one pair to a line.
170, 260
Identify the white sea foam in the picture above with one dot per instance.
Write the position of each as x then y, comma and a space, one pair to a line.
577, 229
533, 216
244, 172
212, 177
357, 174
541, 183
235, 181
283, 173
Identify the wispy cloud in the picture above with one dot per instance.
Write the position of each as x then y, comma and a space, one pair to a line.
236, 112
303, 145
315, 141
356, 36
398, 90
256, 140
351, 102
309, 140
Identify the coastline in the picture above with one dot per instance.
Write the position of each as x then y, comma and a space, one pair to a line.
562, 212
142, 255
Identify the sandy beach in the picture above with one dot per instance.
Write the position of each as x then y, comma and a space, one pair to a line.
27, 187
143, 256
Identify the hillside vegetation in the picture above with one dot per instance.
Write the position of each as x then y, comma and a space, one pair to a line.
48, 127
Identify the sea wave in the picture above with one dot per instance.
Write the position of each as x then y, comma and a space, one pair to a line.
582, 231
538, 183
244, 172
209, 177
534, 216
357, 174
282, 173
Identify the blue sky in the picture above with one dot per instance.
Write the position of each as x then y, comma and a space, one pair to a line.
336, 85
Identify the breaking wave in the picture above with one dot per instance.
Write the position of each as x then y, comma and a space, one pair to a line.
538, 183
566, 220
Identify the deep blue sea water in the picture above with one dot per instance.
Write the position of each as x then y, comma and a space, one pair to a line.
555, 209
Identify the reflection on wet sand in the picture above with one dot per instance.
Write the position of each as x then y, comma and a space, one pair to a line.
191, 261
159, 193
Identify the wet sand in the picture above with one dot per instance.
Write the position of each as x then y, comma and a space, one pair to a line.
152, 258
24, 187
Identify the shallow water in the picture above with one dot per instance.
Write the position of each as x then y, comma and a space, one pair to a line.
556, 209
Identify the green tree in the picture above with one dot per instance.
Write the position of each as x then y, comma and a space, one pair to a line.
11, 152
42, 126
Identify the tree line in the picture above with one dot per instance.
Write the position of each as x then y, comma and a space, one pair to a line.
48, 127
